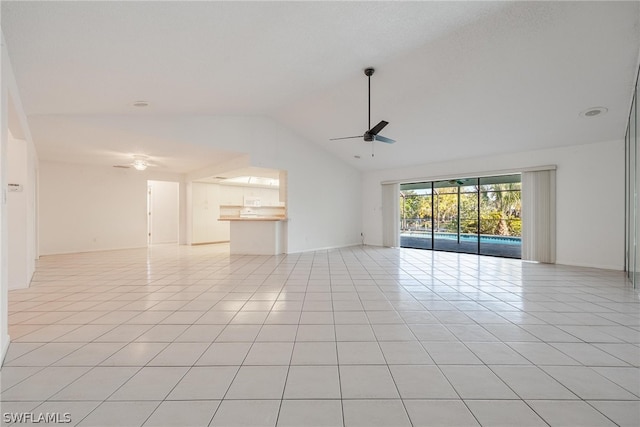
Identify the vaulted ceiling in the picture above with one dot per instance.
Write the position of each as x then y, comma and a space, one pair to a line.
454, 79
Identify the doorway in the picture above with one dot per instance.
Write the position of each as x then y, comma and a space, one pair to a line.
162, 212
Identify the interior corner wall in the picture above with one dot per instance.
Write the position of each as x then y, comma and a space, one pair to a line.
89, 208
21, 212
13, 119
589, 197
323, 193
4, 137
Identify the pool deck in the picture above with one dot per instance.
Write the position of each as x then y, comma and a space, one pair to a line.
450, 245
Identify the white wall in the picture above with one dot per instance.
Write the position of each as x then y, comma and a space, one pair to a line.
21, 215
32, 188
5, 70
206, 211
88, 208
322, 191
164, 211
590, 197
17, 214
12, 117
184, 234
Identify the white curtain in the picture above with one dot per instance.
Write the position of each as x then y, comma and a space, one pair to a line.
539, 216
391, 215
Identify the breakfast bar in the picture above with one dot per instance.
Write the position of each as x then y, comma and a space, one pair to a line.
255, 231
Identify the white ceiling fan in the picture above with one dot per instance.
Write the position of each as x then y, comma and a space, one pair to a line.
140, 162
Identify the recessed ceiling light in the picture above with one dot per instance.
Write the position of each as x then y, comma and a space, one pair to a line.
140, 104
594, 111
356, 157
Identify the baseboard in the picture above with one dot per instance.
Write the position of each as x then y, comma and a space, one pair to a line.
596, 266
5, 347
21, 286
25, 285
209, 243
84, 251
326, 248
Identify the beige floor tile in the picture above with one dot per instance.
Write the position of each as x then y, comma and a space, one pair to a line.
97, 384
246, 413
150, 383
349, 330
311, 413
207, 383
183, 413
119, 414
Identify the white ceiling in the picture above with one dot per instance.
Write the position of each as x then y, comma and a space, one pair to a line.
454, 79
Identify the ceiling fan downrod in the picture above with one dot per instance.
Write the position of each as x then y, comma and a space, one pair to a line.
369, 72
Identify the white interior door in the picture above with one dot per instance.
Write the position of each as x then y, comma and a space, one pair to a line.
163, 212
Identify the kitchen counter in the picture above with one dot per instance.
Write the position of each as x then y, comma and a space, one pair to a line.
256, 235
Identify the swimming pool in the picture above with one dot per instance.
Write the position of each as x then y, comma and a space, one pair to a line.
504, 240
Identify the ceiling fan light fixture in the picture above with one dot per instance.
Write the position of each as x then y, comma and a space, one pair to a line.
140, 163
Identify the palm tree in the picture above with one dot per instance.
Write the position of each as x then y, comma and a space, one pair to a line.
508, 203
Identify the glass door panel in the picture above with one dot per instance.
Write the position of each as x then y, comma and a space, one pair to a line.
416, 215
445, 215
468, 238
500, 216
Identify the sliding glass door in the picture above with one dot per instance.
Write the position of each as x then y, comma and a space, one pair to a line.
456, 215
469, 215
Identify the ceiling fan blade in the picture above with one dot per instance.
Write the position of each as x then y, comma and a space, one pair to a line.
377, 128
345, 137
383, 139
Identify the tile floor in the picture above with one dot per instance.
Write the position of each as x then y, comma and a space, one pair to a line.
363, 336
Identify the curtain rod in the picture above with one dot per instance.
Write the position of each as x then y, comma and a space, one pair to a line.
472, 175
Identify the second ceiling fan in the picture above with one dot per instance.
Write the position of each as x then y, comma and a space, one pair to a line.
371, 134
